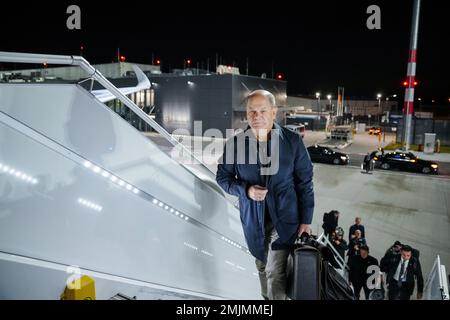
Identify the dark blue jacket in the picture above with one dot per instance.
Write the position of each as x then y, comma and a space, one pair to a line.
290, 197
355, 227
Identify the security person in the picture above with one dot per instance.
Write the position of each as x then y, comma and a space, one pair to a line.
402, 271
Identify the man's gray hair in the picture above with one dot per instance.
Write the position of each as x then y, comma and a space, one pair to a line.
262, 93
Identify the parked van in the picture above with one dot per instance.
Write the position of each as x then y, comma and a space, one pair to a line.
298, 128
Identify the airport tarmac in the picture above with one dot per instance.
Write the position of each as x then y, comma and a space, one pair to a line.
414, 209
411, 208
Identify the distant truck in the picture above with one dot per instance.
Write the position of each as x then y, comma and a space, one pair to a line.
298, 128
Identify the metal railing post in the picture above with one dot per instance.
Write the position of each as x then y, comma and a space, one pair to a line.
324, 240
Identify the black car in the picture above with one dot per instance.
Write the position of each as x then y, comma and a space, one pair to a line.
405, 161
326, 155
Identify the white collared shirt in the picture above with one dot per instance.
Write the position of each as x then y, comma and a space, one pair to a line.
397, 273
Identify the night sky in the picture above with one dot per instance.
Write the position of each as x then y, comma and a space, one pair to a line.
317, 45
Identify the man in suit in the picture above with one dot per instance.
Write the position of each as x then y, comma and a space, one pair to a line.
276, 196
402, 271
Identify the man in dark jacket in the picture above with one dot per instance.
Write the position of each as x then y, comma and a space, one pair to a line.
354, 244
338, 242
356, 226
390, 254
402, 271
276, 197
360, 272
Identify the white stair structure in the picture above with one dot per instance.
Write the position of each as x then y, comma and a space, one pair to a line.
81, 188
436, 286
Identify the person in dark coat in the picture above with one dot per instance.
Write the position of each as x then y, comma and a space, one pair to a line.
394, 249
359, 272
354, 245
339, 244
356, 226
402, 272
330, 222
276, 196
366, 162
391, 253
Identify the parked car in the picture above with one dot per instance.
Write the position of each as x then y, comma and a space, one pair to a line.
298, 128
327, 155
405, 161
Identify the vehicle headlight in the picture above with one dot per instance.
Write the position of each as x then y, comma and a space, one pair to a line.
343, 157
434, 166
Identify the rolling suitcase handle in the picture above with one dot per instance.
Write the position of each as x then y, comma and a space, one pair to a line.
306, 270
302, 239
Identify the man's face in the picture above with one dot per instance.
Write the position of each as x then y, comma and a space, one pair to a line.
260, 114
406, 255
364, 254
358, 220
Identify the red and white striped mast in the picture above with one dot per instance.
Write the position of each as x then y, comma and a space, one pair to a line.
411, 76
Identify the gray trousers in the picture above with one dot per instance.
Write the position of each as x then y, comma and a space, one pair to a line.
272, 275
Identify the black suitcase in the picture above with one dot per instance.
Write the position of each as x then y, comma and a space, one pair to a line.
304, 280
311, 273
